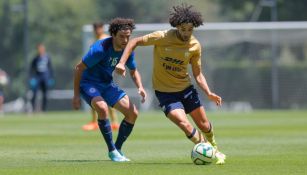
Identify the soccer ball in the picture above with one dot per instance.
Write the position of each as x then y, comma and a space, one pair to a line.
203, 153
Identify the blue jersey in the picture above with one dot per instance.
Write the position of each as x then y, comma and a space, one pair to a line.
41, 67
101, 60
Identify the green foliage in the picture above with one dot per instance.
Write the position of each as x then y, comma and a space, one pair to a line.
238, 10
58, 24
140, 10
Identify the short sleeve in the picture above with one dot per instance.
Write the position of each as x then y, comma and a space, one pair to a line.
153, 38
196, 59
94, 55
131, 64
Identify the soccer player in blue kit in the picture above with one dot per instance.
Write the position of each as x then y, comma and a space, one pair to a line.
41, 76
94, 82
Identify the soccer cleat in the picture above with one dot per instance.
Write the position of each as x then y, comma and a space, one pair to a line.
213, 143
90, 126
114, 126
115, 156
121, 153
220, 158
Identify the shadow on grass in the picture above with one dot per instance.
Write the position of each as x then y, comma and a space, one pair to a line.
131, 162
160, 163
79, 161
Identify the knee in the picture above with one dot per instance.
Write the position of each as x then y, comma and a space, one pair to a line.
134, 113
204, 126
131, 115
101, 108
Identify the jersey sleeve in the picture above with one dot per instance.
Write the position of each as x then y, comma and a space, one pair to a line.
94, 55
154, 38
131, 64
196, 59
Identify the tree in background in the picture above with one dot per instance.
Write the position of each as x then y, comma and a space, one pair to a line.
141, 11
58, 24
238, 10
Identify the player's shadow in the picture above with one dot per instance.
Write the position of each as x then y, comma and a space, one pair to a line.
79, 161
160, 163
138, 163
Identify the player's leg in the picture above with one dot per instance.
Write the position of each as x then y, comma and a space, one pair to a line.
104, 124
1, 103
179, 117
192, 106
117, 98
174, 110
44, 87
101, 108
34, 90
199, 117
128, 109
113, 117
93, 97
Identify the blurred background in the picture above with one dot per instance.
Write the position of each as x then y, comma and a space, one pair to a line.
254, 51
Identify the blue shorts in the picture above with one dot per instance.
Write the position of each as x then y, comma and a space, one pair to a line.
187, 99
1, 94
111, 93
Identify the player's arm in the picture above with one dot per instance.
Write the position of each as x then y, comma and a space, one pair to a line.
80, 67
136, 77
93, 57
202, 83
132, 44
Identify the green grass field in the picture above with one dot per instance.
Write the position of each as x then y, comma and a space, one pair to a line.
261, 142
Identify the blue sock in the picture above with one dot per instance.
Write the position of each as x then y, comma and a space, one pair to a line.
123, 133
105, 129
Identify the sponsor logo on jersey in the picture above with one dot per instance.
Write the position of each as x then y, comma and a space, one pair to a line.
172, 60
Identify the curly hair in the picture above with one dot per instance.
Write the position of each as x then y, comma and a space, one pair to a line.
185, 14
117, 24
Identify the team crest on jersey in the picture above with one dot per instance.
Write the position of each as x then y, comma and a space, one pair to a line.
92, 90
186, 54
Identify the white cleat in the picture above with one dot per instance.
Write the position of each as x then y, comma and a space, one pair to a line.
121, 153
220, 158
115, 156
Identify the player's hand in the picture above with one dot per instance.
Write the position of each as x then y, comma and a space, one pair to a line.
76, 102
143, 93
120, 69
215, 98
33, 83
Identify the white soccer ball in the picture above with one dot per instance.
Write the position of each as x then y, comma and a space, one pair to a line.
203, 153
3, 80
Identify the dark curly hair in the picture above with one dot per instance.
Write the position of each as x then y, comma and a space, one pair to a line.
117, 24
185, 14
